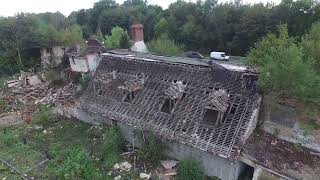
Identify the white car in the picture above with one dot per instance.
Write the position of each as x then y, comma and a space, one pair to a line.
219, 56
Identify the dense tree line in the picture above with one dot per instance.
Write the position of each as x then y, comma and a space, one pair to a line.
203, 26
288, 57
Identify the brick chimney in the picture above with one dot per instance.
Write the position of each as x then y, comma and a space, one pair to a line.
137, 32
138, 38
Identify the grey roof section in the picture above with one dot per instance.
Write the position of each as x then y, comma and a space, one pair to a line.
235, 63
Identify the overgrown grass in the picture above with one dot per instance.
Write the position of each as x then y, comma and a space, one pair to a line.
74, 163
7, 138
113, 144
3, 106
152, 150
309, 127
44, 116
189, 169
62, 134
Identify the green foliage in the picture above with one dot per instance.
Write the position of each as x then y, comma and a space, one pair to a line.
53, 75
309, 127
310, 44
297, 146
162, 45
162, 27
276, 132
189, 169
113, 144
119, 39
283, 71
8, 139
3, 106
84, 81
72, 35
152, 150
74, 163
44, 115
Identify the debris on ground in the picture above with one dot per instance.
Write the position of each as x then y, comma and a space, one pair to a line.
167, 170
145, 176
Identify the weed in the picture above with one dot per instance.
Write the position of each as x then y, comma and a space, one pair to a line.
189, 169
44, 115
297, 146
276, 132
309, 127
113, 144
8, 139
74, 164
53, 75
84, 81
3, 106
152, 150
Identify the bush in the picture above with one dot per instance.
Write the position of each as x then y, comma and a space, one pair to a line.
74, 164
162, 45
119, 39
44, 115
8, 139
189, 169
84, 81
152, 150
283, 70
3, 106
53, 75
113, 144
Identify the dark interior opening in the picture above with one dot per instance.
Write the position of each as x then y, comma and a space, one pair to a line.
247, 173
129, 97
210, 116
168, 105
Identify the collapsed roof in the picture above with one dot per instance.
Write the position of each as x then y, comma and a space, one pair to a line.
208, 107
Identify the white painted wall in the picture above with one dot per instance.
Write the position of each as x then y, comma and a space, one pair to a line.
79, 64
89, 63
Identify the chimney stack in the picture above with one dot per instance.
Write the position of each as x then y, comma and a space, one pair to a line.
137, 32
138, 38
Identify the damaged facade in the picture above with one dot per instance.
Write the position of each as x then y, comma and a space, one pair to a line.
208, 109
86, 61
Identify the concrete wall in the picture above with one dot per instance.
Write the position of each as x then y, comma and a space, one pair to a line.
52, 56
78, 64
212, 164
89, 63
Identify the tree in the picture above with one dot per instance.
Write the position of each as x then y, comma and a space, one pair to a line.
164, 46
162, 27
283, 71
72, 35
310, 44
119, 38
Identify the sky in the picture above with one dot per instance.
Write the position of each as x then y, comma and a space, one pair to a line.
11, 7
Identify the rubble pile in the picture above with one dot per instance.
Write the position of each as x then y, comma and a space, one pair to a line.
29, 90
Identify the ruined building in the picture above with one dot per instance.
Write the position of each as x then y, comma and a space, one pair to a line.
203, 110
87, 60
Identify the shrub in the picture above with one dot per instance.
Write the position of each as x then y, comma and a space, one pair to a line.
74, 164
3, 106
113, 144
53, 75
189, 169
152, 150
162, 45
8, 139
84, 81
283, 71
119, 39
44, 115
